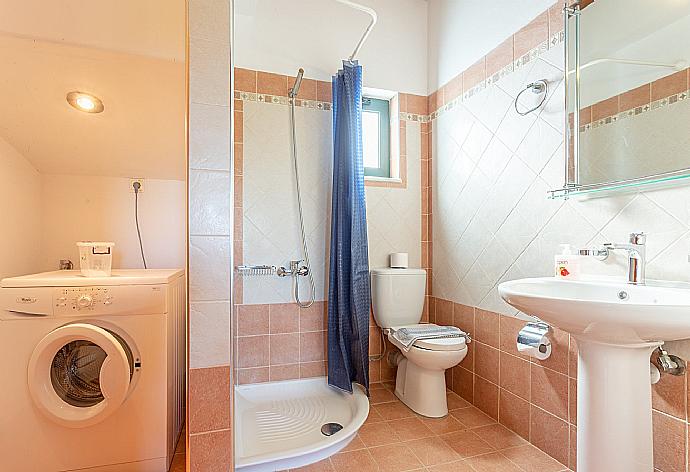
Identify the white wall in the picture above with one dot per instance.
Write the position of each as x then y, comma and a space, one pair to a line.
20, 194
78, 208
282, 36
462, 31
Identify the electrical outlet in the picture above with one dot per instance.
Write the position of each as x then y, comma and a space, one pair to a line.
133, 181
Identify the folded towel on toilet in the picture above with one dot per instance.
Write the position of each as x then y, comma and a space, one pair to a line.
408, 336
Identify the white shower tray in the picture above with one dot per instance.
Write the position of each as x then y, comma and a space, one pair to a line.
278, 424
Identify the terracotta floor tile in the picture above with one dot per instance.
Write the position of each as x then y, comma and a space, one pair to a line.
395, 458
393, 411
456, 402
467, 444
457, 466
408, 429
178, 463
499, 436
354, 445
472, 417
373, 417
360, 461
321, 466
493, 463
378, 434
381, 396
445, 425
431, 451
532, 459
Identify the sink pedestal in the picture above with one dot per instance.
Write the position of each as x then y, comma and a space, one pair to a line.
614, 407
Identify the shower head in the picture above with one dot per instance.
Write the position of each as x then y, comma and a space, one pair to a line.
298, 81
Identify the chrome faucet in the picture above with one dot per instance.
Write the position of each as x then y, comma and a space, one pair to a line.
636, 256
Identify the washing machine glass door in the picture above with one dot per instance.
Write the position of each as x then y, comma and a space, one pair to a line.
79, 374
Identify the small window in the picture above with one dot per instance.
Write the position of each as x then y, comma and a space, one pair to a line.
376, 137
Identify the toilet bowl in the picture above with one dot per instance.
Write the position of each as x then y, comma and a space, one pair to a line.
398, 302
421, 377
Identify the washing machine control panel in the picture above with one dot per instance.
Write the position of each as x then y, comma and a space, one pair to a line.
83, 299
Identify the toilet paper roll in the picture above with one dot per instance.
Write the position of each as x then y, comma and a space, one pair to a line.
398, 260
533, 340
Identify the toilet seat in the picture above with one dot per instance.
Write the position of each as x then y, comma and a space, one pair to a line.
433, 344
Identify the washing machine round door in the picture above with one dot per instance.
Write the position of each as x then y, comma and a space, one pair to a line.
80, 374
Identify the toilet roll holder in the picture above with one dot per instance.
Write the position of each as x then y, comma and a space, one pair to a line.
534, 340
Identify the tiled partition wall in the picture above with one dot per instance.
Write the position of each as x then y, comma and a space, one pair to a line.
493, 222
277, 340
209, 420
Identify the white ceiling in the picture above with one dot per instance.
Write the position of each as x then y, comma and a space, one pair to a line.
134, 62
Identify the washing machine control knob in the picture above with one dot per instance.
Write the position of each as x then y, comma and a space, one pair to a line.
84, 301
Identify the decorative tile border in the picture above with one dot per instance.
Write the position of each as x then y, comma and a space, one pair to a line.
640, 110
278, 100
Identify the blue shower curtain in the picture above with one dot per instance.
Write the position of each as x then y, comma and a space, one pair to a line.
349, 297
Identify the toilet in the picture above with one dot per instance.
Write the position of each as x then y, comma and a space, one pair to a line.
398, 302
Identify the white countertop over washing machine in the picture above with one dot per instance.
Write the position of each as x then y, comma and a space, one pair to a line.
94, 370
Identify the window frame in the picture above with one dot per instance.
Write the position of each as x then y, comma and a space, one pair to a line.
381, 107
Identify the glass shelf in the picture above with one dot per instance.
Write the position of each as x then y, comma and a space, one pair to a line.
605, 188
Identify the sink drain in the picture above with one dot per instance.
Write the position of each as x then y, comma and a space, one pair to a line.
330, 429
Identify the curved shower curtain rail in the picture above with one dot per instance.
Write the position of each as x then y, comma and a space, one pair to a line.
371, 12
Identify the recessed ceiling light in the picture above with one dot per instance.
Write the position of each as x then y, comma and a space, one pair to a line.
85, 102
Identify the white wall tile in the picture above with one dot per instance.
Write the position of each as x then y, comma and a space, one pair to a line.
209, 203
209, 72
209, 334
209, 137
209, 268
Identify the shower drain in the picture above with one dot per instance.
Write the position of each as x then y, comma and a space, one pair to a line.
330, 429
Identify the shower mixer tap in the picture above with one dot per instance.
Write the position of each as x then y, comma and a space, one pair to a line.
294, 269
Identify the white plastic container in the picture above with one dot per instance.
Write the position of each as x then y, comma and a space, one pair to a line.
567, 264
95, 258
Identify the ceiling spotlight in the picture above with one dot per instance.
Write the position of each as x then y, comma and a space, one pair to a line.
85, 102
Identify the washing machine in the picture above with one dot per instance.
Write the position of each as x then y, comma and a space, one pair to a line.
91, 371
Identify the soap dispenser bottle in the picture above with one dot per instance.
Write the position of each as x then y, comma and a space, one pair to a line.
567, 264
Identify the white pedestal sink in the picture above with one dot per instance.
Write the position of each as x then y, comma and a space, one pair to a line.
617, 326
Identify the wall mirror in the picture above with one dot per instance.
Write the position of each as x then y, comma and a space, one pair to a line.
628, 107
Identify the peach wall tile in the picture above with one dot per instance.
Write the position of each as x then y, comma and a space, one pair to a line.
486, 327
324, 91
239, 105
549, 391
669, 396
312, 369
402, 102
252, 351
238, 127
252, 320
486, 362
210, 452
605, 108
573, 448
532, 35
555, 13
313, 318
585, 116
515, 375
463, 317
245, 80
572, 401
669, 85
252, 375
513, 412
283, 372
474, 75
463, 383
572, 358
635, 97
500, 57
453, 88
416, 104
550, 434
238, 160
375, 341
272, 84
283, 318
486, 396
435, 100
670, 435
209, 399
425, 153
284, 348
312, 346
558, 360
307, 90
468, 361
444, 312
